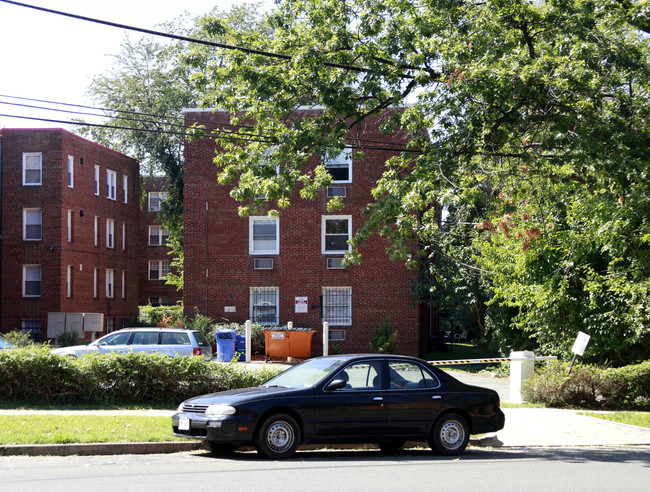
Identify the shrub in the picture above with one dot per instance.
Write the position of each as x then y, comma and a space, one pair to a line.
36, 375
162, 315
20, 338
202, 323
590, 387
68, 338
384, 338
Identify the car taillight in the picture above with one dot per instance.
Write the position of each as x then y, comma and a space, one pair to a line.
198, 351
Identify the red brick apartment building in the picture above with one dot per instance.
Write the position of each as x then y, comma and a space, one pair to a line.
289, 269
70, 242
155, 252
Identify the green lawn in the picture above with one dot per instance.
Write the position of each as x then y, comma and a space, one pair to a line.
641, 419
63, 429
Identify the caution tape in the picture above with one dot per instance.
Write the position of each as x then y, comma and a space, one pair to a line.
485, 361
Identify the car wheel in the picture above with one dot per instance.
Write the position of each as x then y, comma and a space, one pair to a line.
390, 446
450, 435
218, 448
278, 437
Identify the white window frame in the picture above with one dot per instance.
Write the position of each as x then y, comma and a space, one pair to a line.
29, 155
253, 247
96, 230
70, 225
344, 293
69, 281
266, 294
324, 220
111, 185
123, 284
95, 282
110, 283
162, 238
30, 212
30, 271
96, 180
110, 233
158, 197
343, 159
123, 236
125, 188
159, 267
70, 171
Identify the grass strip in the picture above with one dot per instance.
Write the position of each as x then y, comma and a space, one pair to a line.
67, 429
640, 419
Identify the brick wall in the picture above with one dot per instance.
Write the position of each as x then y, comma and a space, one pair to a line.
219, 271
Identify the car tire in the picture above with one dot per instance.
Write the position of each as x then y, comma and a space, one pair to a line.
218, 448
277, 437
450, 435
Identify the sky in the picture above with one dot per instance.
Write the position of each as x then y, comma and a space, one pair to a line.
50, 57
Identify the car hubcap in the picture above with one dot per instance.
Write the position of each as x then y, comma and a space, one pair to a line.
280, 436
452, 434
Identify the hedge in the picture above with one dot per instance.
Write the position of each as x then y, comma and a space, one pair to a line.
621, 388
35, 375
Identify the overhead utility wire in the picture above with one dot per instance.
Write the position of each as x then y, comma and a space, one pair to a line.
250, 51
164, 119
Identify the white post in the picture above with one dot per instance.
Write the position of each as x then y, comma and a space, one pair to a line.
520, 370
249, 331
326, 338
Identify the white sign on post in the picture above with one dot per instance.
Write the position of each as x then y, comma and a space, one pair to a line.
580, 344
301, 305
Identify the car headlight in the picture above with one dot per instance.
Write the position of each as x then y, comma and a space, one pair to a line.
220, 410
180, 408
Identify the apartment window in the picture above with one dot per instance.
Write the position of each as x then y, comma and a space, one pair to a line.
111, 184
158, 236
340, 166
123, 235
32, 168
96, 230
31, 280
110, 325
264, 236
123, 284
159, 269
110, 233
69, 226
155, 199
97, 180
264, 303
95, 282
125, 188
337, 305
110, 282
69, 281
160, 301
70, 171
337, 231
31, 327
32, 224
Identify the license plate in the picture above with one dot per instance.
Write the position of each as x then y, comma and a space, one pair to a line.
184, 424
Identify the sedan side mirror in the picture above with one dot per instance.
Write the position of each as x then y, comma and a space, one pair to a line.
336, 384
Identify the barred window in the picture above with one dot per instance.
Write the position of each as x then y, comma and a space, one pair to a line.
264, 305
337, 305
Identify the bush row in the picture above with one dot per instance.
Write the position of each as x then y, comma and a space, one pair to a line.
35, 375
621, 388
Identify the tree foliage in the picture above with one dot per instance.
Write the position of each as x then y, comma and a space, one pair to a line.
529, 128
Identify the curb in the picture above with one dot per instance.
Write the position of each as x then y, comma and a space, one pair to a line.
91, 449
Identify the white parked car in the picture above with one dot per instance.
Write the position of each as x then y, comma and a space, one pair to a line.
169, 341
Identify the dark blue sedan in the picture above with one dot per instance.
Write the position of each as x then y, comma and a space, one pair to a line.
381, 399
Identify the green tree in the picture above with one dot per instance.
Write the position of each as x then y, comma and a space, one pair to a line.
528, 118
145, 93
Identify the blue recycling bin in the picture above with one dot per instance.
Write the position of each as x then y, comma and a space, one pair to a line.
225, 345
240, 347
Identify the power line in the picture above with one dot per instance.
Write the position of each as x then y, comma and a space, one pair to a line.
178, 37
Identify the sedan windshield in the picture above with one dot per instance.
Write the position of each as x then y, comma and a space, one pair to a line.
307, 374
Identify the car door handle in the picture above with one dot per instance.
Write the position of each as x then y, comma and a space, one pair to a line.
378, 398
436, 397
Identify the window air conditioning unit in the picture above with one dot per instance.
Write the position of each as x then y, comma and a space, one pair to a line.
335, 264
263, 263
333, 191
